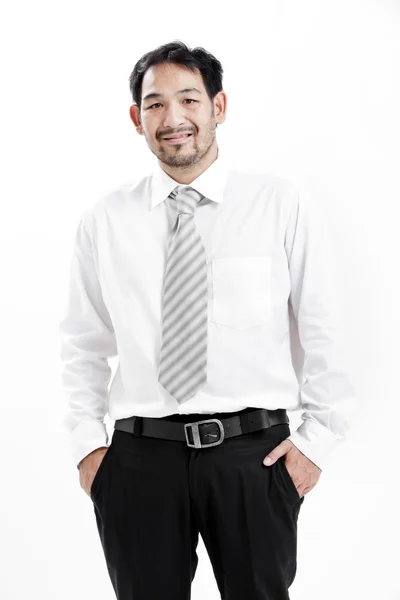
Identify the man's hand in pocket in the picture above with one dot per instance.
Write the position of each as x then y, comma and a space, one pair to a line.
88, 467
304, 473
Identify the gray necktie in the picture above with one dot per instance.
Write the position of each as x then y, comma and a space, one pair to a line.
183, 360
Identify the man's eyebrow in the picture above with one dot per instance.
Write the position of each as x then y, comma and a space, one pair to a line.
184, 91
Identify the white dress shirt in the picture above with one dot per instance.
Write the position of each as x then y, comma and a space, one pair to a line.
269, 262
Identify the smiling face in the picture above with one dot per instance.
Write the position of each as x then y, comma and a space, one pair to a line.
174, 104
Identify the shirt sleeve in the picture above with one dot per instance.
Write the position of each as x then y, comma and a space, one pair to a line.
327, 392
87, 339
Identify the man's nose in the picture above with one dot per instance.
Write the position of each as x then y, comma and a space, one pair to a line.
173, 118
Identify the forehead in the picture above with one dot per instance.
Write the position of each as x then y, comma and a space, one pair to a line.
169, 78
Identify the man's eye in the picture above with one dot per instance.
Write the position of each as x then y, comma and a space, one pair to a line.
186, 100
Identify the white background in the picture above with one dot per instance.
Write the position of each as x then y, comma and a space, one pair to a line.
313, 95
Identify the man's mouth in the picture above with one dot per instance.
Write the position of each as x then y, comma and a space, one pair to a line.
176, 138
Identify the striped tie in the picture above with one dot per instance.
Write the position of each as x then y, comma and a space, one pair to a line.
183, 361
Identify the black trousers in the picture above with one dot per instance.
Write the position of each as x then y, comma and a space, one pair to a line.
152, 498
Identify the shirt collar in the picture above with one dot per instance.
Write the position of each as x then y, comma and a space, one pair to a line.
210, 183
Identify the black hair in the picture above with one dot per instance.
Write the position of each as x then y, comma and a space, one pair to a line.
179, 53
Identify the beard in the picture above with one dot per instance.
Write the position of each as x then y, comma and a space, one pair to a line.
184, 156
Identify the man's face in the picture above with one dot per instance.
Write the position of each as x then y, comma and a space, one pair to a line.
174, 113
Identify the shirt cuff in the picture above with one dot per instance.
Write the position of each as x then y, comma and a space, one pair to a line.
315, 441
86, 437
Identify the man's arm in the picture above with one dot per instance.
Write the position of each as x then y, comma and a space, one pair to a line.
327, 394
87, 339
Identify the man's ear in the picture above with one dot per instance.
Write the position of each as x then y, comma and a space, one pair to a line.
134, 113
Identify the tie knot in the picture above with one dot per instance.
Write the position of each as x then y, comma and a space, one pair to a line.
186, 198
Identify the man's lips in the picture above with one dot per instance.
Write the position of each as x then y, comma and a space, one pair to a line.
175, 138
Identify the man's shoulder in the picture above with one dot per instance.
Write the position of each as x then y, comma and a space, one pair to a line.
262, 177
266, 183
111, 198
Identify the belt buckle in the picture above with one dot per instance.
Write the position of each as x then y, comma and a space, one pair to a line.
196, 435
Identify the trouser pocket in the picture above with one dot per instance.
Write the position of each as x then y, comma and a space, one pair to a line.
290, 485
96, 483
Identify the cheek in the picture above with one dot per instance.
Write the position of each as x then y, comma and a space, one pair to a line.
153, 135
149, 127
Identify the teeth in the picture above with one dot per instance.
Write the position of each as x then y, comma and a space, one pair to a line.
177, 137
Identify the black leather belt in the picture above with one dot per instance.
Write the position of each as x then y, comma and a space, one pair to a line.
206, 432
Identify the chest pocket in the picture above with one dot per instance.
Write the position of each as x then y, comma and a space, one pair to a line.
242, 295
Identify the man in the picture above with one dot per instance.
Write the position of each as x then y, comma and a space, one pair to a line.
192, 276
